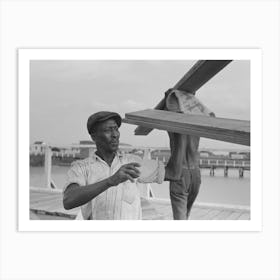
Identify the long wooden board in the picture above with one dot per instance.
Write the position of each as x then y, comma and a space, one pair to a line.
228, 130
200, 73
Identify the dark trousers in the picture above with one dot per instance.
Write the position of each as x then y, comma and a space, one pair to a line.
184, 192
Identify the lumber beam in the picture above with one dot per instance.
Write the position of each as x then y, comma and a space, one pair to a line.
200, 73
227, 130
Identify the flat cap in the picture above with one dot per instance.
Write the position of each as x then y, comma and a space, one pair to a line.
101, 117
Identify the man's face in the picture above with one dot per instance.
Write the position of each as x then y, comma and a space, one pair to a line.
106, 136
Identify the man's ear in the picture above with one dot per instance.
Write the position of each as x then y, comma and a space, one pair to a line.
93, 136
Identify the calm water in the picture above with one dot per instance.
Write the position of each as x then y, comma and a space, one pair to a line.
217, 189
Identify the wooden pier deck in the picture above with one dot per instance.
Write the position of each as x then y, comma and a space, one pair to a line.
47, 204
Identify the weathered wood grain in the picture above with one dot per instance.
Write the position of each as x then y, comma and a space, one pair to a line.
212, 214
228, 130
200, 73
50, 207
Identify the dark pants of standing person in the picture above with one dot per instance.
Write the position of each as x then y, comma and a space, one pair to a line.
184, 192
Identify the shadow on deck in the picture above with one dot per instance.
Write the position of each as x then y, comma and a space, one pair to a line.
47, 205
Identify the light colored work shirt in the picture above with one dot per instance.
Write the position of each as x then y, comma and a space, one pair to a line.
121, 202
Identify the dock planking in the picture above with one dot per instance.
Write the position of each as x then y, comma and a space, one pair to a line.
47, 205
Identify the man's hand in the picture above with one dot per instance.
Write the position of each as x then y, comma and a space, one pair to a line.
126, 172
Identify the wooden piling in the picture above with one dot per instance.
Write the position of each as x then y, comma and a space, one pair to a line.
212, 170
241, 172
48, 166
226, 171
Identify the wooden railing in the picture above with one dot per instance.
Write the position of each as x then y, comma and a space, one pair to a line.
210, 163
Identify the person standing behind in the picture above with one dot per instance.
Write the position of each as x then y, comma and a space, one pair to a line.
183, 192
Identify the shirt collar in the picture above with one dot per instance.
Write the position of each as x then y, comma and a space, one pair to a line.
118, 155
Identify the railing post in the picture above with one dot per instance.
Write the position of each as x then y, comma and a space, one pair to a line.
91, 152
147, 154
226, 171
48, 166
150, 193
149, 190
241, 172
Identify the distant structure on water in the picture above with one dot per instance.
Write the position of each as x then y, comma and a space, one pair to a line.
64, 156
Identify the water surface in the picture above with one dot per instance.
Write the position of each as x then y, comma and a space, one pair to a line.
217, 189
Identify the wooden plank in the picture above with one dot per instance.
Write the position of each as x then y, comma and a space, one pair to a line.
163, 209
194, 210
199, 214
69, 212
142, 130
200, 73
234, 215
33, 216
223, 215
212, 214
152, 209
148, 210
244, 216
43, 197
227, 130
47, 216
45, 204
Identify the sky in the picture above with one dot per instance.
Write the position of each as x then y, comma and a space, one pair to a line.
63, 94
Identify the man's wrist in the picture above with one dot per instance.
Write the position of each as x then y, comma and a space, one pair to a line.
110, 182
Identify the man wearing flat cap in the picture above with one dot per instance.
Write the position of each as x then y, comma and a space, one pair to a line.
104, 185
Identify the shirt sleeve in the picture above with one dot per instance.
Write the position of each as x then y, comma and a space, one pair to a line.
76, 174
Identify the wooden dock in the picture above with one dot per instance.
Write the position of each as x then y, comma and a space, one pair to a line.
46, 204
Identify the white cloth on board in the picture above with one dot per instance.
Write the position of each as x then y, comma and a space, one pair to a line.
187, 103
